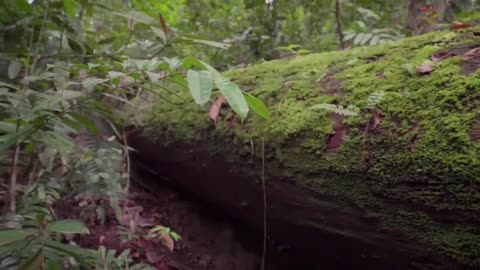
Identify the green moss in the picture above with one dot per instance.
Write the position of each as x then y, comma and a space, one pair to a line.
420, 156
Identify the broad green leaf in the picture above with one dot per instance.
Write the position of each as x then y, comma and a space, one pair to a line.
71, 94
257, 106
6, 127
69, 7
233, 95
14, 69
215, 74
209, 43
53, 264
115, 74
23, 5
67, 226
190, 62
34, 262
374, 40
154, 77
368, 13
358, 38
8, 236
107, 40
87, 123
361, 24
89, 84
136, 16
10, 139
349, 36
4, 84
159, 32
200, 85
366, 38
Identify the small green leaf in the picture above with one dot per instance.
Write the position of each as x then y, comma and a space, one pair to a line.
34, 262
69, 7
234, 96
257, 106
200, 85
67, 226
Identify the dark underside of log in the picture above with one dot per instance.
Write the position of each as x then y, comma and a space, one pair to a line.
317, 229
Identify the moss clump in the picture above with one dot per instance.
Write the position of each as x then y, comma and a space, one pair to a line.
419, 154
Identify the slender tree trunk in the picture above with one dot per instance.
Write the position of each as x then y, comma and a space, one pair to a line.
416, 19
339, 24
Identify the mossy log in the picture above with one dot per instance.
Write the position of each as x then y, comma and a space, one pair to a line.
395, 187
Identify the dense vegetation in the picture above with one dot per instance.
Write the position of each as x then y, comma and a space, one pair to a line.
74, 74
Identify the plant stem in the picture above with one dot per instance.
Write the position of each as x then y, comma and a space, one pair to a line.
12, 184
339, 24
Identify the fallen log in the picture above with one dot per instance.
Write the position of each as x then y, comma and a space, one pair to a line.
371, 155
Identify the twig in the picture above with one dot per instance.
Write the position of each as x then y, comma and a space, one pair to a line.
42, 26
77, 56
127, 158
264, 206
339, 23
12, 184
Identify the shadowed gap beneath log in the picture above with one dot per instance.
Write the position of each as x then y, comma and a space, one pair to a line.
318, 232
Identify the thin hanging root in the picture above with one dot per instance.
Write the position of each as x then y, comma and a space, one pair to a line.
264, 206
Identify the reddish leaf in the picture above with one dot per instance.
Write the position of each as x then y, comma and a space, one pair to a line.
425, 68
163, 24
215, 109
472, 53
439, 56
459, 26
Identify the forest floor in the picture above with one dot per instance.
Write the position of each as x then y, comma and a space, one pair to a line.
210, 241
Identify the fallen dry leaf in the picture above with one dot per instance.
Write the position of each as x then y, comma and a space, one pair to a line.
376, 121
425, 68
439, 56
458, 26
472, 53
167, 241
215, 109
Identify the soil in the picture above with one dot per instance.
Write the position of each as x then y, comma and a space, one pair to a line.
210, 239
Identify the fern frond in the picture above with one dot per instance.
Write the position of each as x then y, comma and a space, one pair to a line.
375, 98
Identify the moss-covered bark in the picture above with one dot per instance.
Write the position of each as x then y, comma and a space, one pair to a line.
411, 156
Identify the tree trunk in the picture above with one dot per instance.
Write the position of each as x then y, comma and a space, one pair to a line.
396, 186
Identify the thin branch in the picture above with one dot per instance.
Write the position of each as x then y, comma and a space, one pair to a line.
12, 184
127, 159
339, 24
42, 26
